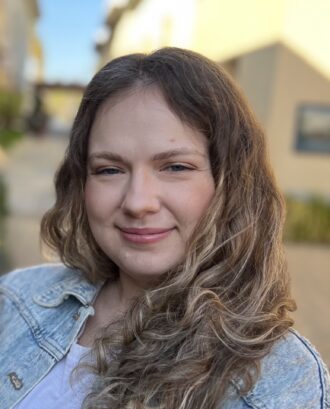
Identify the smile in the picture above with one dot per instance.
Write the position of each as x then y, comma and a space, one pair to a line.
145, 235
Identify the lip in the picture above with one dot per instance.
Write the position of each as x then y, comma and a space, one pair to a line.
145, 235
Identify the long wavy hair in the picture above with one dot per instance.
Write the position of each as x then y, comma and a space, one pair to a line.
200, 334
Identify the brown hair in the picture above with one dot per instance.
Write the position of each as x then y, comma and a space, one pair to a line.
213, 319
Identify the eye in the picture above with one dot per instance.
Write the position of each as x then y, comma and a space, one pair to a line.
107, 171
177, 167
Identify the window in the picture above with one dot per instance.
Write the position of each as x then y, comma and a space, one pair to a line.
313, 128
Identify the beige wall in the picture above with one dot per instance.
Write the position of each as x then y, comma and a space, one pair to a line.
227, 28
61, 104
296, 82
151, 25
276, 81
255, 72
17, 33
222, 29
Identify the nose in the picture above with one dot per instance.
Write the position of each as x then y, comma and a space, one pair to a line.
141, 195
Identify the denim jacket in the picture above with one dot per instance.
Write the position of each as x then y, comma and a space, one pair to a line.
43, 309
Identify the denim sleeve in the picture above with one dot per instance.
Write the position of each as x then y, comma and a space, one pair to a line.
326, 386
293, 376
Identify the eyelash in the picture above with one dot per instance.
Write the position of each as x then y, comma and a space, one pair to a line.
175, 168
106, 171
178, 165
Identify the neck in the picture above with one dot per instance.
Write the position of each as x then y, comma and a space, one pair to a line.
116, 296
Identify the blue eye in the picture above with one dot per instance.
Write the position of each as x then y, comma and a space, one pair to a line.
178, 168
107, 171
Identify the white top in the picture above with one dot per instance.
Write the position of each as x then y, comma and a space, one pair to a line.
59, 389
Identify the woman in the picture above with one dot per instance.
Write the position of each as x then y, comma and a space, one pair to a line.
169, 223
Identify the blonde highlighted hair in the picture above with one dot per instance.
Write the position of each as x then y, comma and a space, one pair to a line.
206, 326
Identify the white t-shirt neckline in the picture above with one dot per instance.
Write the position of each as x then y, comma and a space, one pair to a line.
60, 388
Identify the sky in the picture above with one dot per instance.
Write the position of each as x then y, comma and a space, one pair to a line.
67, 30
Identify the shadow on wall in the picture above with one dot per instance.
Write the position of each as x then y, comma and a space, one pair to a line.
4, 260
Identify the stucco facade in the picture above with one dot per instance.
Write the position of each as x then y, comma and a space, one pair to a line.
277, 82
20, 49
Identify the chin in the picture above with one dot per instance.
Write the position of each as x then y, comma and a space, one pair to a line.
148, 270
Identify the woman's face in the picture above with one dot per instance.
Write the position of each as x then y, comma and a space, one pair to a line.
149, 182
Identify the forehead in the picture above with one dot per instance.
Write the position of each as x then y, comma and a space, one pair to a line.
141, 118
134, 98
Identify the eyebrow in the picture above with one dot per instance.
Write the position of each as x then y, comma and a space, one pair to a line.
159, 156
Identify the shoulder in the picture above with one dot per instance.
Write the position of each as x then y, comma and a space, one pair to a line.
47, 286
292, 376
35, 279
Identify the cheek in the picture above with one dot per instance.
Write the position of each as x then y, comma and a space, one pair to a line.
194, 201
203, 195
97, 201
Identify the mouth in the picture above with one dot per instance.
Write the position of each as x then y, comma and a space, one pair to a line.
145, 235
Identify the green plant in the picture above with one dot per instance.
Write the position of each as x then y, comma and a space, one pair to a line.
10, 108
8, 137
308, 220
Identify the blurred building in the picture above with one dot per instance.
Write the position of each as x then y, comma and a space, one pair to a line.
60, 102
278, 51
20, 49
